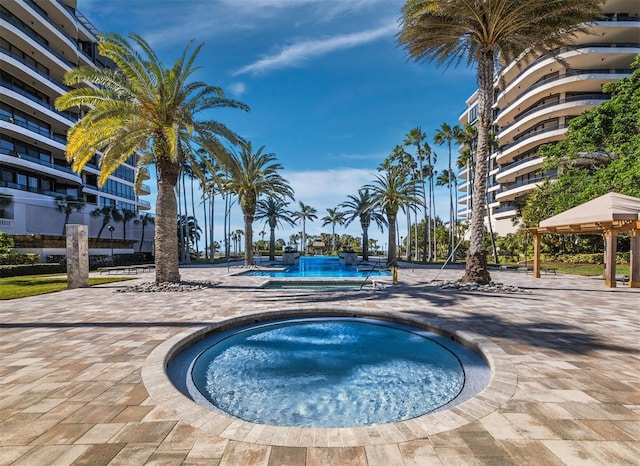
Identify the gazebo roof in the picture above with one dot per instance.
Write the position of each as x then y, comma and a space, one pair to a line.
612, 211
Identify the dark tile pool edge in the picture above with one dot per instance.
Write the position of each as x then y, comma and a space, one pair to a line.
165, 395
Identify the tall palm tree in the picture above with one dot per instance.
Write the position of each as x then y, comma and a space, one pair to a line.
106, 212
274, 212
416, 137
487, 32
66, 204
188, 232
391, 192
447, 134
305, 213
363, 208
448, 178
334, 217
251, 175
144, 220
144, 107
127, 216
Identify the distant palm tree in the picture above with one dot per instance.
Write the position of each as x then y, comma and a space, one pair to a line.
190, 231
127, 216
484, 32
305, 213
362, 207
67, 204
144, 107
391, 192
251, 175
447, 134
144, 220
423, 153
274, 212
106, 212
334, 217
448, 178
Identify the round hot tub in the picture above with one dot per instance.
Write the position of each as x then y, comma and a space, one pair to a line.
327, 372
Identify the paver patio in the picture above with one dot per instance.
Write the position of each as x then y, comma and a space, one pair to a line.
79, 381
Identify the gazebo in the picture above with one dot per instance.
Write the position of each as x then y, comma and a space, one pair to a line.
606, 215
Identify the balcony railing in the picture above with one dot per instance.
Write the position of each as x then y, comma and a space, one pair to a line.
563, 76
33, 98
40, 41
144, 203
31, 189
64, 33
535, 179
504, 168
36, 129
30, 158
526, 136
33, 68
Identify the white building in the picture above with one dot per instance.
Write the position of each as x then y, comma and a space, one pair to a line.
535, 101
39, 42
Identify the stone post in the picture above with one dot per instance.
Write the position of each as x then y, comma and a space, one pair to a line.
77, 256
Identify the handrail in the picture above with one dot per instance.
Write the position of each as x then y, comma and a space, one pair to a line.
368, 275
33, 68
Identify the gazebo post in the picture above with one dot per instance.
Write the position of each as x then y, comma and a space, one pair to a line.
610, 259
634, 266
536, 255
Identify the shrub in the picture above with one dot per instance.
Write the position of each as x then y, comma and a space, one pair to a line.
14, 258
30, 269
6, 243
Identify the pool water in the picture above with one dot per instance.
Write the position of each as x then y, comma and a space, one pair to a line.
321, 266
338, 372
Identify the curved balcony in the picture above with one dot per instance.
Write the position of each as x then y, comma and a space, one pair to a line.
46, 108
509, 193
32, 69
463, 173
145, 189
512, 171
33, 131
580, 56
143, 205
530, 141
586, 81
507, 211
40, 166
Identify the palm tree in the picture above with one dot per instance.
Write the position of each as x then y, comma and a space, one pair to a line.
416, 137
188, 232
392, 192
105, 212
66, 204
146, 108
251, 175
333, 217
144, 220
273, 211
446, 134
305, 213
448, 178
362, 207
127, 216
484, 32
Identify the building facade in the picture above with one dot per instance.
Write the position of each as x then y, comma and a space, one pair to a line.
39, 42
535, 101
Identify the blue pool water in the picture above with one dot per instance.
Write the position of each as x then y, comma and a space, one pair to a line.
320, 266
338, 372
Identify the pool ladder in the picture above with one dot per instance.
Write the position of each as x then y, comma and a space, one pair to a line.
368, 276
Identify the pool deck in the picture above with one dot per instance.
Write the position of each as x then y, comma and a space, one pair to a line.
81, 378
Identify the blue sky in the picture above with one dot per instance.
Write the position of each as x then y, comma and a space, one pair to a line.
331, 94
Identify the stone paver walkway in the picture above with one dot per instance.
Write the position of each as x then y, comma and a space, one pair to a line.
80, 381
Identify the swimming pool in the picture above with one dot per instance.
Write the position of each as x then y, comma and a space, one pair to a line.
323, 267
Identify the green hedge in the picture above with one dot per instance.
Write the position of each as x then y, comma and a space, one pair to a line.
621, 258
14, 258
31, 269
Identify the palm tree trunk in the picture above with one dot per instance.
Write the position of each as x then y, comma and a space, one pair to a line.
180, 226
392, 260
211, 237
365, 242
141, 235
476, 266
248, 239
408, 234
193, 209
187, 255
272, 243
206, 227
166, 242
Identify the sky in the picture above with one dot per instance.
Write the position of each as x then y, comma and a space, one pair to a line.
330, 91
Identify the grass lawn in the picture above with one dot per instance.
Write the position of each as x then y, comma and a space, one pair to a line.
32, 285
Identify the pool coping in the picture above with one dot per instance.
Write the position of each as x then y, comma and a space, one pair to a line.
500, 389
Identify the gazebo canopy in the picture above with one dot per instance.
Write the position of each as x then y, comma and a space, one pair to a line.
607, 215
612, 211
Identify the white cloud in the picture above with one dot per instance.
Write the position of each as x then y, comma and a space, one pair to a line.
237, 89
297, 53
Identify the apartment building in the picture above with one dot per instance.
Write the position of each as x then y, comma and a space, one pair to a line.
534, 102
40, 41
